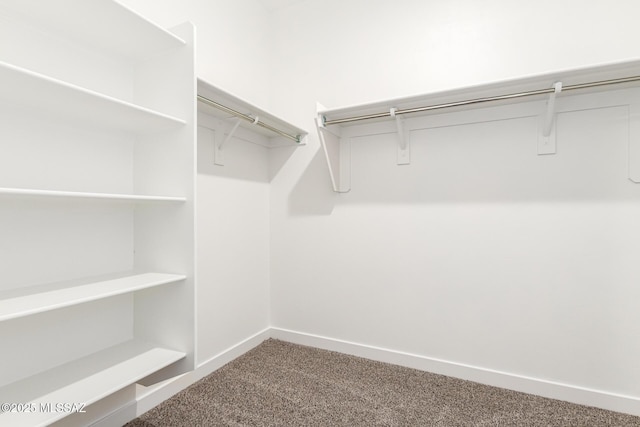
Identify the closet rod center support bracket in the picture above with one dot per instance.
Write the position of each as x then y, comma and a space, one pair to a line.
404, 151
547, 137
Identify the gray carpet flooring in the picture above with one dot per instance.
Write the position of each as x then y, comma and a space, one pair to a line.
282, 384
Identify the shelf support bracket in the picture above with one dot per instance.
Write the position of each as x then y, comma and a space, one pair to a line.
404, 150
547, 137
218, 155
337, 152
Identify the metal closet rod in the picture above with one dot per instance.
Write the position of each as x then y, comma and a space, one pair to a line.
481, 100
254, 120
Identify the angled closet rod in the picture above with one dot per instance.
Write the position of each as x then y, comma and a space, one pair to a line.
480, 100
254, 120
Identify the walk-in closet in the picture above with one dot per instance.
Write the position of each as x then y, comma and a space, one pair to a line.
450, 187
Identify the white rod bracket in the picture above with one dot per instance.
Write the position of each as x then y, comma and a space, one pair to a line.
404, 149
547, 137
218, 155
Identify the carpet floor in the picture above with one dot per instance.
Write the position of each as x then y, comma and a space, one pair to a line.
283, 384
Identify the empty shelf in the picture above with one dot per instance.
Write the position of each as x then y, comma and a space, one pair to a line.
67, 101
84, 381
92, 22
19, 303
278, 132
26, 192
502, 92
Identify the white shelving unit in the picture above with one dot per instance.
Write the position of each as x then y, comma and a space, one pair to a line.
337, 126
97, 205
231, 116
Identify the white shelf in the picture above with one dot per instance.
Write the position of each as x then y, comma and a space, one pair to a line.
231, 101
92, 23
64, 100
337, 125
523, 84
24, 192
85, 380
25, 302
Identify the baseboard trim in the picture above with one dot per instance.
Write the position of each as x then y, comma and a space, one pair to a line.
219, 360
554, 390
154, 395
162, 392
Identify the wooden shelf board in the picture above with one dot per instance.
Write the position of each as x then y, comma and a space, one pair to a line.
25, 192
521, 84
134, 36
33, 300
332, 123
84, 381
59, 99
228, 100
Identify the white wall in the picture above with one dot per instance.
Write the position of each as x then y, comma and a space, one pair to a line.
233, 244
354, 51
479, 252
469, 255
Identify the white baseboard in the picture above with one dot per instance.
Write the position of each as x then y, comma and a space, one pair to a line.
162, 392
150, 397
550, 389
155, 395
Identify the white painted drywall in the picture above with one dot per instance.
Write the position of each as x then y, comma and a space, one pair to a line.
233, 244
466, 255
355, 51
479, 252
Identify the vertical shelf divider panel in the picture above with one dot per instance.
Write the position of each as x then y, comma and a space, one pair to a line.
167, 314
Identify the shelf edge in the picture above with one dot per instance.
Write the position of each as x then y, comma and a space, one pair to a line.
69, 299
84, 195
